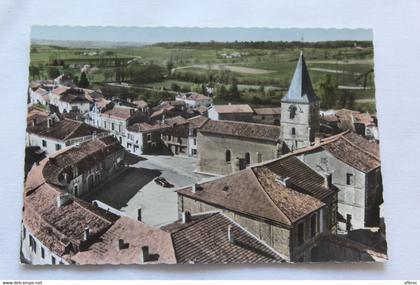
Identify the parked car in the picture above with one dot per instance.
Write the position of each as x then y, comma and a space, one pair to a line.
163, 182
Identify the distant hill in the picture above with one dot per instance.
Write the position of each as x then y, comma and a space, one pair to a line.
86, 44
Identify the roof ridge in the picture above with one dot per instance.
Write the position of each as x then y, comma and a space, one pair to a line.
269, 197
193, 222
362, 149
71, 133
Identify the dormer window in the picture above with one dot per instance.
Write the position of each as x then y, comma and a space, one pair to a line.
292, 112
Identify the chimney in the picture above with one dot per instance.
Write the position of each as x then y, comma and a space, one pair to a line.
186, 217
120, 244
285, 181
144, 254
62, 200
194, 187
328, 180
139, 214
86, 234
231, 236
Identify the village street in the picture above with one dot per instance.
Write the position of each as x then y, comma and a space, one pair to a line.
136, 189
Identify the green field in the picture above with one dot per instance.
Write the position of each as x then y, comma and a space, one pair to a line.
261, 75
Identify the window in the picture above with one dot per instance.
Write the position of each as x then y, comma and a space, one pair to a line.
42, 252
76, 190
314, 225
348, 222
32, 243
293, 131
227, 155
259, 157
57, 146
104, 124
23, 232
292, 112
52, 259
349, 179
149, 137
329, 180
44, 143
112, 126
300, 233
169, 137
195, 141
119, 128
194, 151
247, 158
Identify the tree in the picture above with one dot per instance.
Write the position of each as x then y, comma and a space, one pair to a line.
34, 72
83, 82
169, 66
328, 93
175, 87
233, 90
53, 72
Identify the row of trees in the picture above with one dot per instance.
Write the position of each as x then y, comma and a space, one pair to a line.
331, 98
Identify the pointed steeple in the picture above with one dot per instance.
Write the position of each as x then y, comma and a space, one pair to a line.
300, 90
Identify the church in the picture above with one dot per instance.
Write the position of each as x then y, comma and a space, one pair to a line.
225, 147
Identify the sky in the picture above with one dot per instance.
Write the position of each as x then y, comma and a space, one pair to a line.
169, 34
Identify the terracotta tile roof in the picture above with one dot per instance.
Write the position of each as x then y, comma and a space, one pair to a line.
135, 235
201, 110
61, 228
147, 127
256, 193
303, 178
60, 90
62, 130
242, 129
194, 96
162, 111
41, 91
228, 109
84, 156
267, 111
119, 113
204, 240
197, 121
181, 131
178, 120
72, 98
141, 103
350, 148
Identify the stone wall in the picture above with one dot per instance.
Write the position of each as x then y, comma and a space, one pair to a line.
212, 152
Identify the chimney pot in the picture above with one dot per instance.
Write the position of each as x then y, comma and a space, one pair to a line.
86, 234
186, 217
194, 187
231, 236
139, 214
120, 244
144, 254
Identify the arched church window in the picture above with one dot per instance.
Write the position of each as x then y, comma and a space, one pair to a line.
292, 111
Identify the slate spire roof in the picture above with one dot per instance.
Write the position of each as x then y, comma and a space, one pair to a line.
300, 90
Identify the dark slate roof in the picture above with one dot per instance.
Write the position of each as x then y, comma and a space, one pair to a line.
300, 90
303, 178
204, 239
242, 130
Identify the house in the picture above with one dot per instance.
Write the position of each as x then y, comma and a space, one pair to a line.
82, 169
284, 203
361, 123
38, 95
353, 166
117, 119
270, 116
181, 137
146, 137
194, 100
230, 112
226, 146
56, 225
129, 241
69, 99
213, 237
141, 105
300, 110
51, 133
